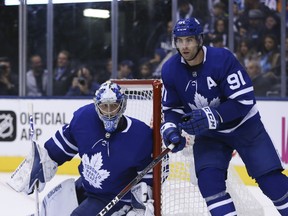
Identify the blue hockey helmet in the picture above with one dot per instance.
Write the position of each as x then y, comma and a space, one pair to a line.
110, 103
187, 27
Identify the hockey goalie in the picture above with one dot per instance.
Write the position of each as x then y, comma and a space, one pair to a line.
113, 148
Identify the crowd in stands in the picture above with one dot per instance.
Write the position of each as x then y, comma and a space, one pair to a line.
256, 45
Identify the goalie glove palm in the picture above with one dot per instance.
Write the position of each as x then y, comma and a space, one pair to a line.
37, 166
200, 120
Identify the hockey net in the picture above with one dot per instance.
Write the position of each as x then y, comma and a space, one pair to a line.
174, 185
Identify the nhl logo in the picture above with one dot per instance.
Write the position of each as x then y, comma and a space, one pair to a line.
7, 126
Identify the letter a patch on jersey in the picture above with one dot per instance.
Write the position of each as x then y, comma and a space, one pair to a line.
211, 83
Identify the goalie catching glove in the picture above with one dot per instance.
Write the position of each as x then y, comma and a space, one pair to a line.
171, 134
200, 120
37, 166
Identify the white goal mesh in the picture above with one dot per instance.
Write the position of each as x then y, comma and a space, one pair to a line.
177, 195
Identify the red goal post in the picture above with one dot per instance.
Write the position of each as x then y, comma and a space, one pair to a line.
155, 86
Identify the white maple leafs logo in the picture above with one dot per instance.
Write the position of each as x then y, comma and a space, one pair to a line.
200, 101
92, 171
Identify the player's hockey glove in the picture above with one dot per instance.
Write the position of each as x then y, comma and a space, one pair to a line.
171, 134
200, 120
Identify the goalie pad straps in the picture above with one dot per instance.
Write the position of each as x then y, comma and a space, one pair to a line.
142, 202
36, 166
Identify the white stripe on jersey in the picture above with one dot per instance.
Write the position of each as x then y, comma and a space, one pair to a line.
249, 115
246, 102
56, 141
241, 92
67, 142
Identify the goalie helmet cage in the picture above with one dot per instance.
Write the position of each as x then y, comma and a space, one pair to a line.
173, 192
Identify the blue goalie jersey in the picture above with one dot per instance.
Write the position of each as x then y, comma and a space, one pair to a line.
107, 164
220, 82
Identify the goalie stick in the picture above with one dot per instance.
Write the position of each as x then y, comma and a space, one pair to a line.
136, 180
31, 122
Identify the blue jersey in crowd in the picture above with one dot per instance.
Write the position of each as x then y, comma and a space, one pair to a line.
107, 164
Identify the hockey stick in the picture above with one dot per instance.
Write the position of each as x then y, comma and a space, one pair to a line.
31, 122
136, 180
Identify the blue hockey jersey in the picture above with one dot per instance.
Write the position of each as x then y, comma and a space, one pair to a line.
107, 164
220, 82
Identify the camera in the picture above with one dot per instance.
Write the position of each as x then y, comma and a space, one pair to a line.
82, 80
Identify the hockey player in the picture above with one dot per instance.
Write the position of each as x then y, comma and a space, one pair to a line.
207, 93
113, 148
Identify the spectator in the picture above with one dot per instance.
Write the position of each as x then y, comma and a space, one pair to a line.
263, 83
239, 36
63, 74
126, 70
255, 28
218, 11
8, 84
220, 30
145, 70
217, 41
36, 77
165, 40
185, 9
105, 74
83, 84
272, 25
244, 52
252, 5
270, 56
236, 16
159, 55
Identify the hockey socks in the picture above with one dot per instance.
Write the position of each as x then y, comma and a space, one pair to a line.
275, 186
211, 183
282, 204
221, 204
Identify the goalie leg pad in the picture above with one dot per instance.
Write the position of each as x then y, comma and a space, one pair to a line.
56, 202
36, 166
91, 206
142, 202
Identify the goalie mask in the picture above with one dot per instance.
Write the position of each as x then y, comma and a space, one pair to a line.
110, 103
